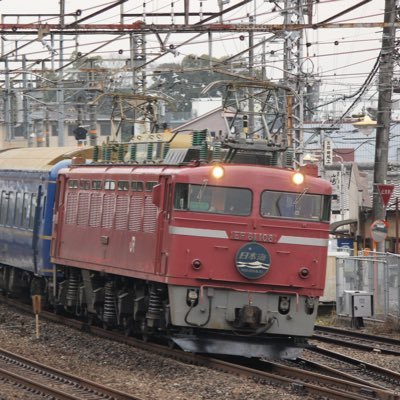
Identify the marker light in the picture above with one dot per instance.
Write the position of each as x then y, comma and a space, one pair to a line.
217, 172
298, 178
304, 272
196, 264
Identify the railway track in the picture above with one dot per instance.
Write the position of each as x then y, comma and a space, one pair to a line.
348, 368
293, 378
43, 380
320, 382
357, 340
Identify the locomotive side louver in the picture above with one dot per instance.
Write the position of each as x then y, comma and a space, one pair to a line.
121, 215
72, 205
150, 216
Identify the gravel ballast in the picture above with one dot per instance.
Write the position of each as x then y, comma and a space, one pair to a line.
120, 366
133, 370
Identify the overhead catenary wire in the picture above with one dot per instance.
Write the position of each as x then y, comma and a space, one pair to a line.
238, 15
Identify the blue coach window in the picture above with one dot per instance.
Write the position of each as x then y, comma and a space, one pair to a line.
18, 209
3, 207
32, 211
11, 209
26, 210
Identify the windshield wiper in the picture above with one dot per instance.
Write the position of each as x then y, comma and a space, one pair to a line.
202, 189
300, 196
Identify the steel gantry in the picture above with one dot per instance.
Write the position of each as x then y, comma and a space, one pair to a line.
297, 16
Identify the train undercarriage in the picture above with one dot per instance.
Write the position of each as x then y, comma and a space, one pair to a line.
143, 309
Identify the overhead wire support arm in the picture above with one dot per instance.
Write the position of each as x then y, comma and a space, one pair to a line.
318, 24
141, 27
176, 14
220, 13
117, 3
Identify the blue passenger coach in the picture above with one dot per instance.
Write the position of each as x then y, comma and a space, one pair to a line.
27, 191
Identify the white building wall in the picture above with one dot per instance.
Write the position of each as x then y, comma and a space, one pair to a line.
204, 105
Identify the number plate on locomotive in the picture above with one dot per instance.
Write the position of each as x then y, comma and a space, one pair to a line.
254, 236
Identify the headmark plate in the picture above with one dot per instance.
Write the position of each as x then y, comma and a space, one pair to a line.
252, 261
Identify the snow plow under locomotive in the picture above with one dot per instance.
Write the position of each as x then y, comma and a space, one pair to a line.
217, 257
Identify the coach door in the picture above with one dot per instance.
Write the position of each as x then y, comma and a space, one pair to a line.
36, 227
162, 198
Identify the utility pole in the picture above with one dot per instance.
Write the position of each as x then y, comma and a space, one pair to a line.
60, 85
251, 73
93, 121
292, 76
7, 102
384, 111
25, 103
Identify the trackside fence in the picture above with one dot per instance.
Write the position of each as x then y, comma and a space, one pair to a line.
377, 274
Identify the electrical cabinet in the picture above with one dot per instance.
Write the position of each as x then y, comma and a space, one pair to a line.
358, 304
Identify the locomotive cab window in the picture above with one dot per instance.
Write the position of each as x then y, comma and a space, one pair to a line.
295, 206
213, 199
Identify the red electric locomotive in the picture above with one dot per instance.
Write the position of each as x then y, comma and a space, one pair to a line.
216, 257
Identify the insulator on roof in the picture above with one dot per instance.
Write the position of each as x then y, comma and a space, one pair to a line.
216, 155
96, 153
133, 152
121, 153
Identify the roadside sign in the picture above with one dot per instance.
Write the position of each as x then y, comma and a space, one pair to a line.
37, 309
379, 230
385, 191
328, 152
37, 304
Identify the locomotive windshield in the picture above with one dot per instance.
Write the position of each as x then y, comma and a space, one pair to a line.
290, 205
212, 199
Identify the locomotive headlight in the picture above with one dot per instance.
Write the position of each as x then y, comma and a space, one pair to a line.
192, 297
298, 178
217, 172
284, 304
